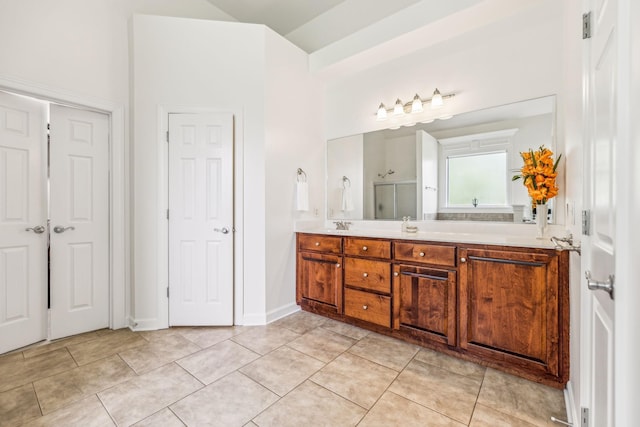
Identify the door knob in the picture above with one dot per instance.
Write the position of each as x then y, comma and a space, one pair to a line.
595, 285
61, 229
38, 229
223, 230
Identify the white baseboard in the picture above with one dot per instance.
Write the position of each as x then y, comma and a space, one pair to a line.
570, 404
281, 312
144, 324
256, 319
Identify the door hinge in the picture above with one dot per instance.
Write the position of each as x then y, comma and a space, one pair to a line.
586, 25
584, 417
586, 222
167, 213
167, 292
167, 136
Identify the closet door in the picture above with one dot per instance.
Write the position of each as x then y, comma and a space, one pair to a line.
79, 221
23, 222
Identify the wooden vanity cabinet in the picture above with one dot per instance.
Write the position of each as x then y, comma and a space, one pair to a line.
319, 272
513, 309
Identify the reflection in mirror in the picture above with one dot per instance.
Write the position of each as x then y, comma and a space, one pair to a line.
458, 169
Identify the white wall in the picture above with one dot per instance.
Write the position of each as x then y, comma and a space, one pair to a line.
345, 157
294, 138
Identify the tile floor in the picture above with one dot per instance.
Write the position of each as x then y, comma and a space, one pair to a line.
302, 370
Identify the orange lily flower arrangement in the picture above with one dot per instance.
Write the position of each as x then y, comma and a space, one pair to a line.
539, 174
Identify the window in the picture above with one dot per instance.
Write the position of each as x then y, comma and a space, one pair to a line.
477, 179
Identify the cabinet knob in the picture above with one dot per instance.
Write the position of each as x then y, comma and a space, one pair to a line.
463, 259
364, 248
364, 307
421, 253
337, 265
317, 243
395, 273
365, 274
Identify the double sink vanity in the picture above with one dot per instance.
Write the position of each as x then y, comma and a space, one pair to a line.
497, 300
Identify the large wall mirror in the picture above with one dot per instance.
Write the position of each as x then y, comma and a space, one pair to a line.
455, 169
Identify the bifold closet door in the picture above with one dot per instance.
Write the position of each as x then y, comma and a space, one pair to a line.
23, 222
79, 220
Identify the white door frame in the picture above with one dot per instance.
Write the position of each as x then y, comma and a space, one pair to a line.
163, 204
119, 237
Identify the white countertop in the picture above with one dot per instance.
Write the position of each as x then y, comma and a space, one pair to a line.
472, 232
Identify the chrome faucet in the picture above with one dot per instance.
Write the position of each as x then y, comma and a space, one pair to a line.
342, 225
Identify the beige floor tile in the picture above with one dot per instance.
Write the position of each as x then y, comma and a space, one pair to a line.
250, 424
322, 344
445, 392
159, 351
206, 336
265, 339
217, 361
231, 401
21, 371
47, 346
386, 351
301, 322
136, 399
164, 418
70, 386
106, 345
526, 400
282, 370
88, 412
11, 358
394, 410
487, 417
452, 364
356, 379
18, 405
311, 405
345, 329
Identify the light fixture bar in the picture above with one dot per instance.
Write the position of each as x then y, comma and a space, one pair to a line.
416, 105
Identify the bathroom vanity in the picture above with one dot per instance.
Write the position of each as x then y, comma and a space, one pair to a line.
503, 305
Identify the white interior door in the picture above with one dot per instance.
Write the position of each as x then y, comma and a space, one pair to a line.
201, 219
598, 248
79, 221
23, 222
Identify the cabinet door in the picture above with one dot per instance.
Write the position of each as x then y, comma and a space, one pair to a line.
425, 299
320, 279
509, 307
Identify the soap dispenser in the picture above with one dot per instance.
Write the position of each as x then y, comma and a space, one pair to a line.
405, 223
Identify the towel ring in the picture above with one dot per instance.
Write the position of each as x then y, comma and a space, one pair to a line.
346, 180
302, 176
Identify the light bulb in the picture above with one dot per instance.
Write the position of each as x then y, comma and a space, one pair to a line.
416, 105
436, 100
398, 109
382, 113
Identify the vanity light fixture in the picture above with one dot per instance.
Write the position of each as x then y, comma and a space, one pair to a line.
416, 106
436, 99
398, 109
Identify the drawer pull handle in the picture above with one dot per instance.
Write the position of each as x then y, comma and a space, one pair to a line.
365, 274
395, 273
364, 248
421, 253
364, 307
463, 259
337, 265
317, 243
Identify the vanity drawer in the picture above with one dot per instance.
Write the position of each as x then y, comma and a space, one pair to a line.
367, 306
319, 243
367, 247
425, 253
367, 274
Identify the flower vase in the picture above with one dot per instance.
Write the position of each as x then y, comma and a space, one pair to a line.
541, 220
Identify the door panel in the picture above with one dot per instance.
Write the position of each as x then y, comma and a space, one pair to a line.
79, 218
201, 219
23, 254
601, 68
